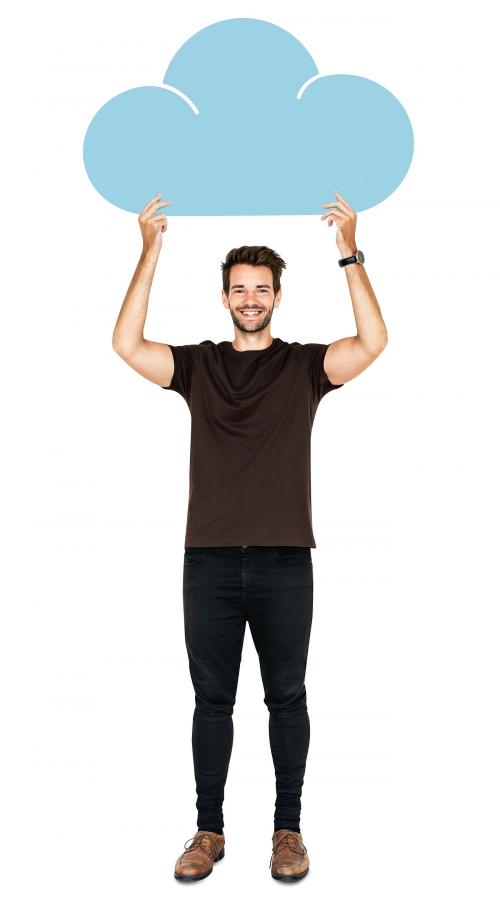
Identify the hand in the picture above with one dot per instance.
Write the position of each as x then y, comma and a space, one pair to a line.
153, 226
345, 217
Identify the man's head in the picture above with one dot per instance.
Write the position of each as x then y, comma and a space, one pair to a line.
251, 281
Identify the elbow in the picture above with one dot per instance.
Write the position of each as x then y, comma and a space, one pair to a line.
382, 344
125, 347
118, 347
374, 348
117, 341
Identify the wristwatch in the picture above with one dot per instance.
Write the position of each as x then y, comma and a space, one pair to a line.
358, 257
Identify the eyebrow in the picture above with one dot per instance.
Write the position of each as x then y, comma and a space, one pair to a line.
263, 285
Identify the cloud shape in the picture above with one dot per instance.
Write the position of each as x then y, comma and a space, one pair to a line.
243, 125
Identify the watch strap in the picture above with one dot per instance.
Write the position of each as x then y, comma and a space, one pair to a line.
352, 259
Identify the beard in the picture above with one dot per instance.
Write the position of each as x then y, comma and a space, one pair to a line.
251, 325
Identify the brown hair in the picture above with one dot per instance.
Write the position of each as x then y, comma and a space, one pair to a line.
253, 255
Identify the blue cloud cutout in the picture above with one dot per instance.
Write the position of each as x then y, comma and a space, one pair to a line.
244, 125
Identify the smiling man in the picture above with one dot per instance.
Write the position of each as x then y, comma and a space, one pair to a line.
249, 533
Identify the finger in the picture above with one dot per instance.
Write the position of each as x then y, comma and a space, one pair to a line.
151, 202
158, 218
342, 200
341, 205
334, 208
157, 206
338, 207
345, 209
338, 222
154, 204
339, 215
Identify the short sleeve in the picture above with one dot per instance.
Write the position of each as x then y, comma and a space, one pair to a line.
320, 383
184, 356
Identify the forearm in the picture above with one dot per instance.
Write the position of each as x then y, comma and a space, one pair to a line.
129, 328
371, 329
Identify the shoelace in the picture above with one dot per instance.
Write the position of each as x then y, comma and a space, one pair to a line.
197, 842
288, 839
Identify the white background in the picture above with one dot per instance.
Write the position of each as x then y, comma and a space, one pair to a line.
401, 795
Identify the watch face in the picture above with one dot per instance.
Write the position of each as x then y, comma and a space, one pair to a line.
361, 257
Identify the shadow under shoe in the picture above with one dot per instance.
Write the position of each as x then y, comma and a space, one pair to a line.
289, 858
197, 861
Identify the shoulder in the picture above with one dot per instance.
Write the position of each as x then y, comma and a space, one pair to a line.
310, 351
195, 350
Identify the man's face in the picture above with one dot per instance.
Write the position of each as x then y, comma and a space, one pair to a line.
251, 300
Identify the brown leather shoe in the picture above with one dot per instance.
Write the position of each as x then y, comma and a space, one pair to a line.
197, 861
289, 858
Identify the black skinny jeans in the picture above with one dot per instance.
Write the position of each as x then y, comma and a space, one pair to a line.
272, 588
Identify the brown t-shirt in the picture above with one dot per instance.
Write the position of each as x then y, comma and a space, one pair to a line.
250, 461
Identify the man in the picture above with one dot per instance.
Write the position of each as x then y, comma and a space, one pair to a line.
249, 531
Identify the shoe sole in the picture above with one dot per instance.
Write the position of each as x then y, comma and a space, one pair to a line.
290, 876
199, 876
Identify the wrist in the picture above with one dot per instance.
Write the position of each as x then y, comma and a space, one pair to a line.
347, 251
150, 249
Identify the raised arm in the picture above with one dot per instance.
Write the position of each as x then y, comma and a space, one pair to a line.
151, 359
348, 357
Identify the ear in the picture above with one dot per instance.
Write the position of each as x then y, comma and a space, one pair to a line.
225, 300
